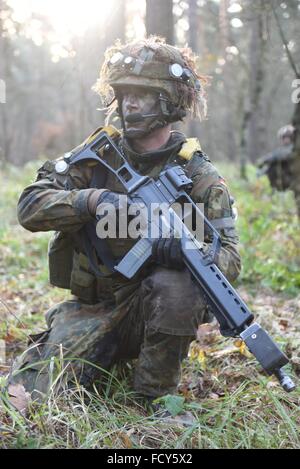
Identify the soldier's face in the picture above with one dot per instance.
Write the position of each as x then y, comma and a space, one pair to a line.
142, 101
286, 140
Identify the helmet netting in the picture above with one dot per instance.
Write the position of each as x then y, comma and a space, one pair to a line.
186, 97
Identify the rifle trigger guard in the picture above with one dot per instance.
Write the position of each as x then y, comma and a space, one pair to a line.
211, 256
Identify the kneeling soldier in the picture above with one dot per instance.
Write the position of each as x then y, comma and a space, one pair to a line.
154, 317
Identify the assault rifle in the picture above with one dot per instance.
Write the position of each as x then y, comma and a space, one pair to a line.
172, 185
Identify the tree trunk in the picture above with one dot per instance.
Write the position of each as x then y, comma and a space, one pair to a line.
256, 125
5, 140
229, 127
193, 42
243, 150
296, 123
115, 26
159, 19
296, 165
193, 25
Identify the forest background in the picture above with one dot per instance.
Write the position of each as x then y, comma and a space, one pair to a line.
50, 56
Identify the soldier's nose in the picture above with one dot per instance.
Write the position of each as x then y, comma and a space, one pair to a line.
131, 106
131, 99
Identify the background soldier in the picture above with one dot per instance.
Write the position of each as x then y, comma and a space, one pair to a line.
277, 165
155, 316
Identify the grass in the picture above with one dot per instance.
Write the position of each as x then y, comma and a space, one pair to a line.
235, 405
269, 231
251, 416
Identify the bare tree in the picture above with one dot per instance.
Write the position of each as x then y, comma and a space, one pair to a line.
230, 139
5, 70
193, 41
159, 19
257, 58
116, 24
296, 122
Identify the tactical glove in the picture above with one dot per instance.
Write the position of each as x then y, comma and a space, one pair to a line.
92, 202
119, 201
167, 252
114, 207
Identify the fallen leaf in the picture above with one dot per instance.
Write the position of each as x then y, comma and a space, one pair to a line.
18, 397
126, 439
4, 369
207, 334
284, 323
185, 391
199, 354
202, 359
174, 404
242, 348
14, 333
226, 351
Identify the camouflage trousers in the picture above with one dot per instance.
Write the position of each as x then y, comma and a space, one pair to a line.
153, 321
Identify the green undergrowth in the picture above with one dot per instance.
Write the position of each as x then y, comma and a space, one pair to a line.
235, 405
250, 414
267, 224
269, 233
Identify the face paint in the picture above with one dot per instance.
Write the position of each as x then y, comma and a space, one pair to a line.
142, 101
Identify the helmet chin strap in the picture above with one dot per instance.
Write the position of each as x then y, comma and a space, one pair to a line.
170, 112
167, 114
154, 124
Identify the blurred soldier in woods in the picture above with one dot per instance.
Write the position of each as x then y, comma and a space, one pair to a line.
279, 164
154, 317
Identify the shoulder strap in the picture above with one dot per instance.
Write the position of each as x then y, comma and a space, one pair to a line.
111, 131
191, 146
98, 249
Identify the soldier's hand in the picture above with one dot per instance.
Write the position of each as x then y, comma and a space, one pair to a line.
167, 252
120, 202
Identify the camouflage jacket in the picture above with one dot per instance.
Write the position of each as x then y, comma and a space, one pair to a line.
282, 153
57, 201
278, 166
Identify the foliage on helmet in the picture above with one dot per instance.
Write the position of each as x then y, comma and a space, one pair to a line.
154, 64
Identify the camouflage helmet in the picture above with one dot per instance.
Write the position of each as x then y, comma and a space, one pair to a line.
154, 64
286, 131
